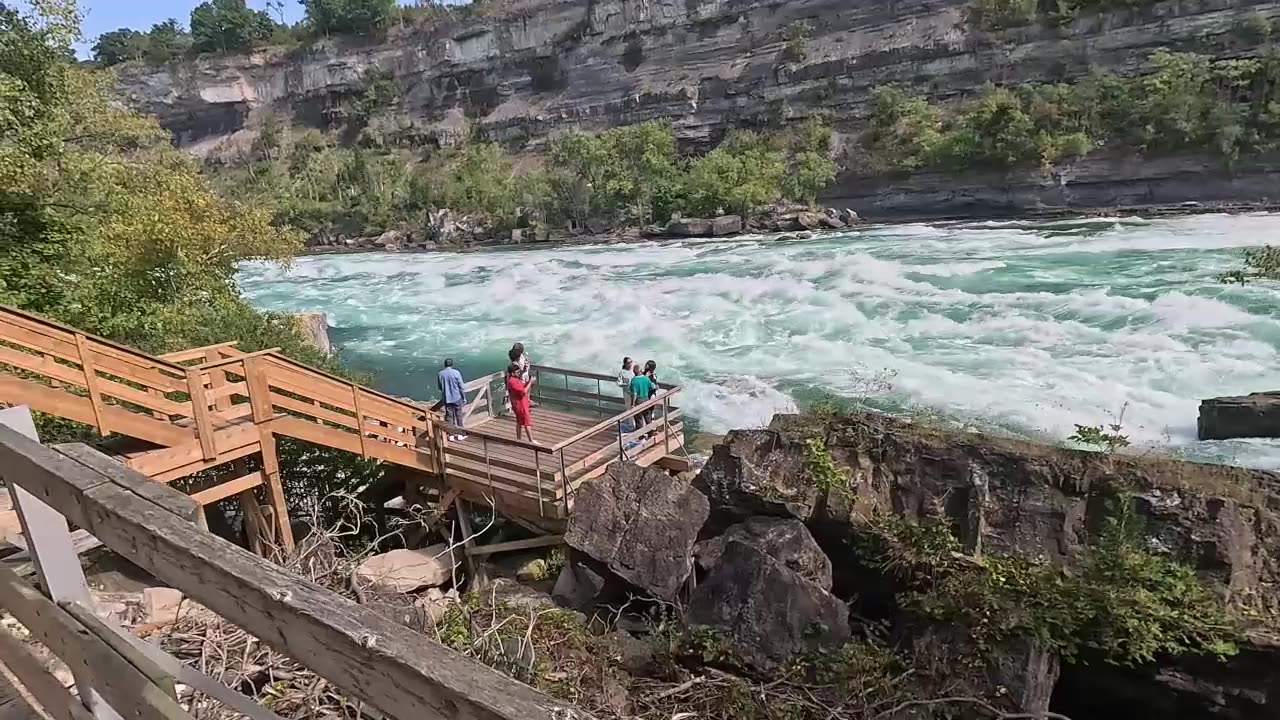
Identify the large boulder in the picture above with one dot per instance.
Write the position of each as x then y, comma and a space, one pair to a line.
766, 611
403, 570
726, 225
756, 472
1254, 415
689, 227
786, 540
641, 523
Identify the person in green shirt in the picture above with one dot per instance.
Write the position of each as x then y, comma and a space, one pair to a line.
641, 388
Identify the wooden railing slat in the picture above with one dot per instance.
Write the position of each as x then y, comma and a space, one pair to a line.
200, 411
367, 655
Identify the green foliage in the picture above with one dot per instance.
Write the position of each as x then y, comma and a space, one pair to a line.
1122, 604
360, 17
797, 34
1099, 437
1259, 263
222, 25
626, 173
820, 468
743, 173
166, 41
1187, 102
118, 46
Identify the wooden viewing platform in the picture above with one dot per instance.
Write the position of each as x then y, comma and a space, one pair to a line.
218, 411
582, 425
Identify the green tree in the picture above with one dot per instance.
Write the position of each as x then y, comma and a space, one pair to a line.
904, 130
809, 164
359, 17
222, 25
117, 46
743, 173
167, 41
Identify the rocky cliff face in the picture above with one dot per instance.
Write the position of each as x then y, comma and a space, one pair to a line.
1014, 498
537, 66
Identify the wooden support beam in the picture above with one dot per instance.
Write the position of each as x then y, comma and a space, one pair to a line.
200, 411
227, 488
255, 370
528, 544
365, 654
91, 382
475, 568
217, 380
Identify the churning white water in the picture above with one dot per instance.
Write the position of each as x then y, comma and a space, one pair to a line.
1030, 327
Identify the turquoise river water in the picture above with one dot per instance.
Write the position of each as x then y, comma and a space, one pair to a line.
1025, 327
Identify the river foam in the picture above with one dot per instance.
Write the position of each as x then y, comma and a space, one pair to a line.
1026, 326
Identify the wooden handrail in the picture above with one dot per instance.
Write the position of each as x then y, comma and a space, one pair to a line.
233, 360
605, 424
480, 382
400, 673
193, 353
133, 352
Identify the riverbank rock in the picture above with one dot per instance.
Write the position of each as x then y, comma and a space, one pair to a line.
641, 523
1245, 416
404, 570
689, 227
786, 540
767, 611
314, 326
726, 225
584, 584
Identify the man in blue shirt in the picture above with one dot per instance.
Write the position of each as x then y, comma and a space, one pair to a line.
453, 394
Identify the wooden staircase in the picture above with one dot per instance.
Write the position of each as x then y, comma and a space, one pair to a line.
175, 415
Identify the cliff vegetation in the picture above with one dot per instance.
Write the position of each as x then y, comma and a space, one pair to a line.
106, 226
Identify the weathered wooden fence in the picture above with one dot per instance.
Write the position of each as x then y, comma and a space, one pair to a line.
393, 670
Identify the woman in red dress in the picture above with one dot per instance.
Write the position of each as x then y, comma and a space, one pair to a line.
518, 394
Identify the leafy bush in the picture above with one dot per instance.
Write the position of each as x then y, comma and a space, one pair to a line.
797, 34
222, 25
1123, 604
743, 173
360, 17
1186, 102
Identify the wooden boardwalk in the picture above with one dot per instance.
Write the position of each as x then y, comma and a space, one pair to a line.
213, 410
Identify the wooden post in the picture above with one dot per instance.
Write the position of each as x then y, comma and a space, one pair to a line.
355, 404
91, 381
260, 401
475, 568
217, 379
54, 556
200, 410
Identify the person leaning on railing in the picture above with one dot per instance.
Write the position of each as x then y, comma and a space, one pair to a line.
453, 394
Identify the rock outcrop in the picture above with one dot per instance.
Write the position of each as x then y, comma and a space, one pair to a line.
640, 523
315, 328
767, 611
1254, 415
518, 73
1037, 502
785, 540
404, 570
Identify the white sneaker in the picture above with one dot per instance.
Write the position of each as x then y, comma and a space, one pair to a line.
462, 437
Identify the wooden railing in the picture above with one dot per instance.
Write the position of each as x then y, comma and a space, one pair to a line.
544, 475
396, 672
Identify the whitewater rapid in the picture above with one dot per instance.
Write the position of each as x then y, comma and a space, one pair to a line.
1026, 327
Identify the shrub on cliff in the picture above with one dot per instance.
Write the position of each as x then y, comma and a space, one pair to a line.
348, 16
1187, 102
